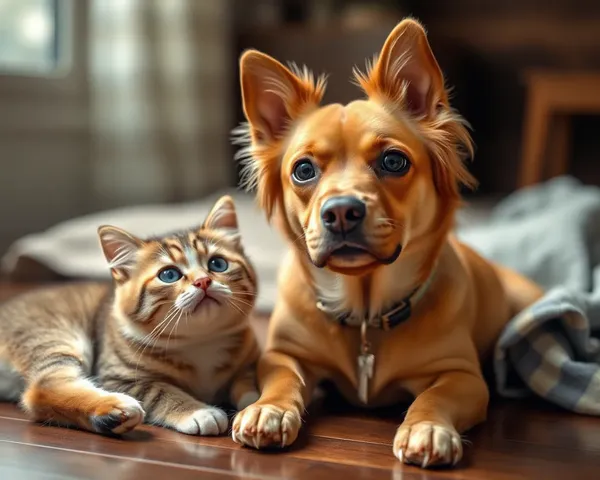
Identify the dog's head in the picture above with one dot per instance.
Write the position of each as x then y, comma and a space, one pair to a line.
355, 185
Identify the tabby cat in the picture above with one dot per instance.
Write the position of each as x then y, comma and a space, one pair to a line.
171, 333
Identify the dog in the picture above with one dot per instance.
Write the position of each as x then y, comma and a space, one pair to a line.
375, 294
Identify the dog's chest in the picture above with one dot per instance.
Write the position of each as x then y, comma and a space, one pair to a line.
373, 376
209, 364
381, 397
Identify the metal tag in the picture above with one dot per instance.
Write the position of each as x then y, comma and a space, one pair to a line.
366, 362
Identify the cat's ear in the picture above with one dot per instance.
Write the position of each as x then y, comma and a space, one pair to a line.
223, 218
120, 249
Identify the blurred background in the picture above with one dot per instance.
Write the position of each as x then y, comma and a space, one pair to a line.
110, 103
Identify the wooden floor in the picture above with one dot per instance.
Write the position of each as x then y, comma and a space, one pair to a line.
521, 440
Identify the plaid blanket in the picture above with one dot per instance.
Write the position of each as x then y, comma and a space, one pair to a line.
550, 233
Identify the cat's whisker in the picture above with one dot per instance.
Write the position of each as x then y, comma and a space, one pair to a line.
236, 307
244, 302
174, 328
170, 312
238, 304
154, 340
242, 292
144, 341
170, 319
155, 335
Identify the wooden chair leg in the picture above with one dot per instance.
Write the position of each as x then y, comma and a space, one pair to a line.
559, 145
535, 133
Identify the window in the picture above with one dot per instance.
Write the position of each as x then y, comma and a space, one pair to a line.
33, 36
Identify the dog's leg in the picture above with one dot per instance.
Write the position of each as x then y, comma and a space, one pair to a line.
244, 391
275, 418
430, 433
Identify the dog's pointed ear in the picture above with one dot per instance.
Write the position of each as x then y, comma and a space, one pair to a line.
406, 74
406, 77
273, 95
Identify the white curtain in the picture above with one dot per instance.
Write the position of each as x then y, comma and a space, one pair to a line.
161, 82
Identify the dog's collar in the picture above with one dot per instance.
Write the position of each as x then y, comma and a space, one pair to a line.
399, 313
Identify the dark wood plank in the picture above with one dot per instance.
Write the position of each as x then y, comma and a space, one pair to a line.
28, 462
311, 446
536, 422
160, 446
531, 422
335, 445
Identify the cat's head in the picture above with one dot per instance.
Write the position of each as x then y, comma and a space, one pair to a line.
186, 283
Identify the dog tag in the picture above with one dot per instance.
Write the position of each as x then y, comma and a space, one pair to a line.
366, 362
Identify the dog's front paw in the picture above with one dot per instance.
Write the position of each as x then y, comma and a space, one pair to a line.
262, 426
204, 421
428, 444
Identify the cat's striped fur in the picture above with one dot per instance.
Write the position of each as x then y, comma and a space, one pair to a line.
105, 357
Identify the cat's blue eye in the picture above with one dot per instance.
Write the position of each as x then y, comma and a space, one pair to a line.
169, 275
218, 264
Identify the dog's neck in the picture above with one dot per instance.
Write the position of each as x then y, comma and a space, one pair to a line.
377, 291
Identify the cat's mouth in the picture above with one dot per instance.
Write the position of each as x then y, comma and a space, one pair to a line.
206, 299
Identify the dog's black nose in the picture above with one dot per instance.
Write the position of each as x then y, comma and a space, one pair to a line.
342, 214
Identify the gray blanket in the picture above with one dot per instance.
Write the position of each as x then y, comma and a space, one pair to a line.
550, 233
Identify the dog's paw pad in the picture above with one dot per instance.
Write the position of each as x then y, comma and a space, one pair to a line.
428, 444
261, 426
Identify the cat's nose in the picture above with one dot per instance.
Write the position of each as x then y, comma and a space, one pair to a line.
202, 283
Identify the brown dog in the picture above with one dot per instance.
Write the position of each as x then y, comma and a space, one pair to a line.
375, 294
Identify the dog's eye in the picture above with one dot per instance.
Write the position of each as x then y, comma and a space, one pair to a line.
304, 171
394, 162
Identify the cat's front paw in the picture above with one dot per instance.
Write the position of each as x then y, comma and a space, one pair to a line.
204, 421
116, 413
262, 426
